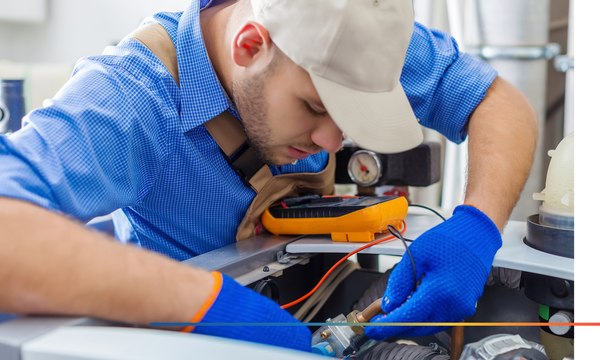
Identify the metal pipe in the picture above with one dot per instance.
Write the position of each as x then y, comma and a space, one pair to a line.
455, 166
569, 125
457, 342
370, 312
433, 14
516, 23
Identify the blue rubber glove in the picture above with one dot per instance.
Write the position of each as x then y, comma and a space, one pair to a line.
455, 258
231, 302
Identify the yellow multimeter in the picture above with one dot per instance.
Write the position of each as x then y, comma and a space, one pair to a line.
346, 218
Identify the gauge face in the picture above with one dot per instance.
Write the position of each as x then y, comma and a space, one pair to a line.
364, 168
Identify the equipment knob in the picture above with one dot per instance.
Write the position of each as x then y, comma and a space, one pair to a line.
561, 317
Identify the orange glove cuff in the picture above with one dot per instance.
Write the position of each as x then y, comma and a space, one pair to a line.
471, 205
208, 303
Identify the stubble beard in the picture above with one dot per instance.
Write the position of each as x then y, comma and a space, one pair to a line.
249, 97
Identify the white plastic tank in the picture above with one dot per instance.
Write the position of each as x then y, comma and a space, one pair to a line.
557, 210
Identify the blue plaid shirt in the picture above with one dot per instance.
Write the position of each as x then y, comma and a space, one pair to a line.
121, 137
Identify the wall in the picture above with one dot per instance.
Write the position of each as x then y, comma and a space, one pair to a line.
44, 53
77, 28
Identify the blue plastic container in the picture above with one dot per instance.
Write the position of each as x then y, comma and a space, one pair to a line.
13, 104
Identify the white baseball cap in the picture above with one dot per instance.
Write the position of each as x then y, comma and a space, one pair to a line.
354, 51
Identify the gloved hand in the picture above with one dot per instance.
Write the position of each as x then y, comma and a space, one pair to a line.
455, 258
231, 302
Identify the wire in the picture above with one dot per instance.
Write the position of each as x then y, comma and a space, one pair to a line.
430, 209
337, 264
398, 234
395, 234
320, 297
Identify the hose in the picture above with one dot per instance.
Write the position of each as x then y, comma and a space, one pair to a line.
374, 292
355, 344
505, 277
395, 351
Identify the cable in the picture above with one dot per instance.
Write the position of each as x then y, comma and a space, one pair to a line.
320, 297
337, 264
394, 232
329, 291
430, 209
397, 234
322, 301
314, 298
333, 268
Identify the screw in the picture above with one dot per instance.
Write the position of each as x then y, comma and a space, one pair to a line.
325, 334
266, 269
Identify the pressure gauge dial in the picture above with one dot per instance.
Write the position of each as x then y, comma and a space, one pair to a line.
364, 168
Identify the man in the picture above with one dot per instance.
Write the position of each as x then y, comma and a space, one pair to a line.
128, 134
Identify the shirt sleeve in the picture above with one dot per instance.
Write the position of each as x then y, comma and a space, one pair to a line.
97, 146
443, 85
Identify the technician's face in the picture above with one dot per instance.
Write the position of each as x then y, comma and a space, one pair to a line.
283, 115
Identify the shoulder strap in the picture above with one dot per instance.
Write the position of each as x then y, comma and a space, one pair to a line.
157, 40
225, 129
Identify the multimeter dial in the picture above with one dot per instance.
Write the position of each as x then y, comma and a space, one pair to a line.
364, 168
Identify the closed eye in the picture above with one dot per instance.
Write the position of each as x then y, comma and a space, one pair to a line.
313, 111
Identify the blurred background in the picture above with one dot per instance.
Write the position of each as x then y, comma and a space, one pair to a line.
40, 41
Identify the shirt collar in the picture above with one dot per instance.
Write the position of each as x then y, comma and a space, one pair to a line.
202, 96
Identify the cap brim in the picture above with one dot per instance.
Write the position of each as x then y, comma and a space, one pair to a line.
382, 122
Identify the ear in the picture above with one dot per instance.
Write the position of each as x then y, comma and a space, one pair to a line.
251, 43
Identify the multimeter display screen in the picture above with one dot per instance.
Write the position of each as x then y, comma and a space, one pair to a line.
320, 207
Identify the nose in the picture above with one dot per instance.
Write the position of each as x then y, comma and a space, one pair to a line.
327, 135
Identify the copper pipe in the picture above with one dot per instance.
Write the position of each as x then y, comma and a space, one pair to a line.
457, 342
370, 312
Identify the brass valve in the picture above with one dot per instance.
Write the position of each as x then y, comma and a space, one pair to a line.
363, 317
325, 334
